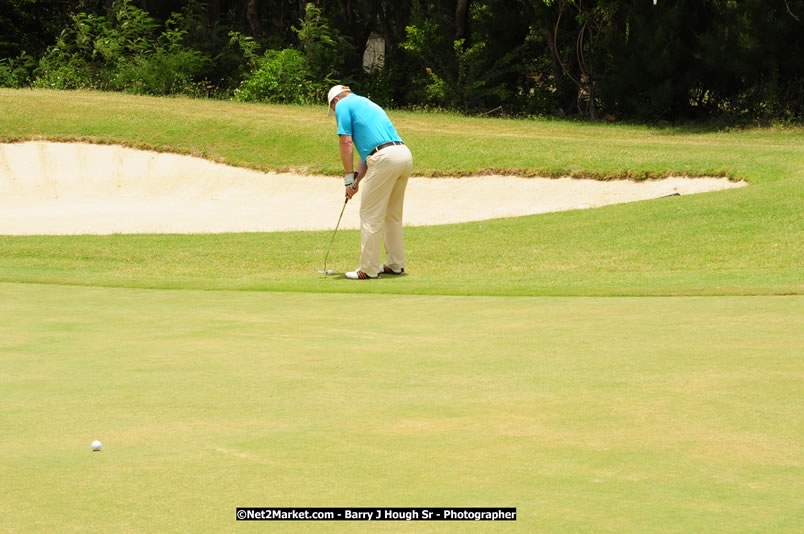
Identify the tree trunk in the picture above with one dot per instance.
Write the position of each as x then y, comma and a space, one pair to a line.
214, 10
346, 8
461, 18
253, 15
558, 68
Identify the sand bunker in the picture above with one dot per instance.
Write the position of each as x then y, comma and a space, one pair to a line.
74, 188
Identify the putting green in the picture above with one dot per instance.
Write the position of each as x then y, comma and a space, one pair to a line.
587, 414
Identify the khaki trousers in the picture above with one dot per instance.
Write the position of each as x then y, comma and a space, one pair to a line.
382, 196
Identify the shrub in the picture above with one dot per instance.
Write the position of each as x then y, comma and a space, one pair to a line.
283, 77
291, 76
123, 52
167, 67
80, 57
162, 72
16, 72
324, 47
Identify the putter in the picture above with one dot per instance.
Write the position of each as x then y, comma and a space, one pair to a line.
324, 270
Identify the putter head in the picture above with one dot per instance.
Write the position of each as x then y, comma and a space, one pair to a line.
328, 271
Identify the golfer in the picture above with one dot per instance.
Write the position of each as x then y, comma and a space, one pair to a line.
382, 173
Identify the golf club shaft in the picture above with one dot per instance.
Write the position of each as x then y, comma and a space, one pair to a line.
333, 235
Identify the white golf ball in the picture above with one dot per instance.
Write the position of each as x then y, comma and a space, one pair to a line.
96, 445
330, 271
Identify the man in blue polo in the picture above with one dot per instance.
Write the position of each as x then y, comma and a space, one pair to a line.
383, 168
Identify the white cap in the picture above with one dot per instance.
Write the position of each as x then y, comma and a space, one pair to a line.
335, 91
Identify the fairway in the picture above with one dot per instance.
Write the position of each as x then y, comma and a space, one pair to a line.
630, 368
587, 414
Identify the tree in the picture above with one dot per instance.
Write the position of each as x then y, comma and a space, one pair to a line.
253, 14
461, 18
670, 60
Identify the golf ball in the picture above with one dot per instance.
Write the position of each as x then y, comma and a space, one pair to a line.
96, 445
329, 271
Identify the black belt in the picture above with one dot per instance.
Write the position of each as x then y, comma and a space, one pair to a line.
384, 145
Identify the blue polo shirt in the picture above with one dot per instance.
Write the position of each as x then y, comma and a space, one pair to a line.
366, 122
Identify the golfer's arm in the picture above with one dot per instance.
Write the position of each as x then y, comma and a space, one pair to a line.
347, 153
361, 169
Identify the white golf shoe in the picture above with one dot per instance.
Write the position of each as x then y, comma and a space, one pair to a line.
360, 275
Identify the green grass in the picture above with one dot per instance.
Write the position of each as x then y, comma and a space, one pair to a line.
499, 373
610, 251
746, 242
271, 137
588, 415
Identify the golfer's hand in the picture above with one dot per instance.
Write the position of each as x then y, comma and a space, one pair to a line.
351, 191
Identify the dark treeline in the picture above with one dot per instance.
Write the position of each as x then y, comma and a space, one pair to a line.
642, 60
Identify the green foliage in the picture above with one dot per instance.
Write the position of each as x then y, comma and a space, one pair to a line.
30, 26
162, 72
430, 49
290, 76
80, 56
536, 88
380, 85
167, 68
124, 52
466, 74
683, 60
716, 60
248, 46
16, 72
324, 47
283, 77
